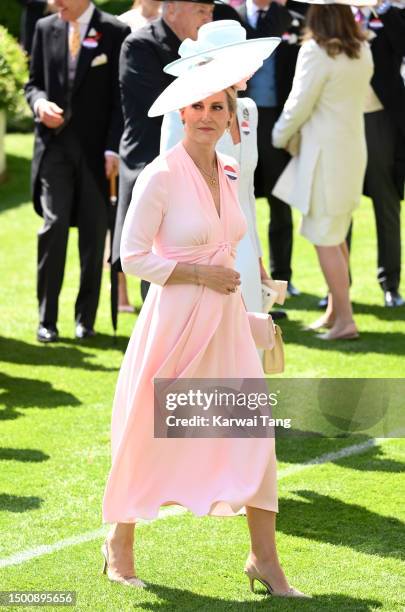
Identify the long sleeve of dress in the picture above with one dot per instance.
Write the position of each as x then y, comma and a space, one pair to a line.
142, 222
310, 76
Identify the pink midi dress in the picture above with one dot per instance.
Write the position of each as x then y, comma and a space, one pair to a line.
183, 331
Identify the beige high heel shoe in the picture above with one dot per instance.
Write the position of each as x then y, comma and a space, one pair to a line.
252, 573
131, 581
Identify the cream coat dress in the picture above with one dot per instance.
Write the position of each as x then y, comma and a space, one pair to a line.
326, 105
249, 249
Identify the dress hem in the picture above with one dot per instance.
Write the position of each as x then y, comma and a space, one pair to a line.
154, 514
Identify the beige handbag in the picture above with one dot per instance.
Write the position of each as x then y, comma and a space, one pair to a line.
273, 359
269, 337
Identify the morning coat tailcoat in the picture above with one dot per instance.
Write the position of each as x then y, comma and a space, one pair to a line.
93, 108
143, 57
387, 42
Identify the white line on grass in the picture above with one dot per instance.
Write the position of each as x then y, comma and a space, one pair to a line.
47, 549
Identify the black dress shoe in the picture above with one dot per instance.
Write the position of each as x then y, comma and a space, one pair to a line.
84, 332
47, 334
393, 299
322, 304
292, 291
278, 314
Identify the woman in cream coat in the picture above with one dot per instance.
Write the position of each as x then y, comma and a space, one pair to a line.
323, 120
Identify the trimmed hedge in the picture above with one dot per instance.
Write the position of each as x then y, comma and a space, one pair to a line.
13, 72
10, 16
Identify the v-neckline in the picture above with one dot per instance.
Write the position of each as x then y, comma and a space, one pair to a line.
217, 213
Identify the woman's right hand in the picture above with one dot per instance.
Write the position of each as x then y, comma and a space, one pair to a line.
219, 278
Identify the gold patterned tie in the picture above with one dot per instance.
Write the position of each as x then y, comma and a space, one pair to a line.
74, 39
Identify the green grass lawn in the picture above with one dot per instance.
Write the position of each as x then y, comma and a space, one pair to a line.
340, 527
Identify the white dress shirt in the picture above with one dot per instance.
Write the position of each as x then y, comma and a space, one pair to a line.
252, 12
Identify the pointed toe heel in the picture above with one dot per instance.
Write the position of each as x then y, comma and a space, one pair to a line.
131, 581
252, 573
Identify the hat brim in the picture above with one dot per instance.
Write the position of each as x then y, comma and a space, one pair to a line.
342, 2
202, 82
261, 47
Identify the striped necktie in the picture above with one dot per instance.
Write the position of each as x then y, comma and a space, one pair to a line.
74, 39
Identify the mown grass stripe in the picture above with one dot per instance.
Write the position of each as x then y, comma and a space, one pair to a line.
47, 549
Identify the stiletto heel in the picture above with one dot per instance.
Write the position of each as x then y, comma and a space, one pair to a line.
252, 573
131, 581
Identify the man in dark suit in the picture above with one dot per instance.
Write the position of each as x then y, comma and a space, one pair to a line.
385, 134
267, 88
143, 57
73, 91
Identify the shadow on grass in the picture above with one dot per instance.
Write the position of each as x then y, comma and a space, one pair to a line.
384, 343
373, 463
100, 341
19, 503
181, 599
302, 449
304, 301
19, 392
345, 524
20, 352
29, 455
380, 312
16, 190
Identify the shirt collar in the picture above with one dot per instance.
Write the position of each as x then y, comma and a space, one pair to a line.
252, 8
85, 17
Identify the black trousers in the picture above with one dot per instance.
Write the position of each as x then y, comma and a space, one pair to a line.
271, 164
380, 185
69, 188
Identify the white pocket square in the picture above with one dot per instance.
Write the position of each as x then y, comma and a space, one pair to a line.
99, 60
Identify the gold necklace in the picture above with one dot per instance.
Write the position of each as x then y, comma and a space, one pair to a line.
211, 177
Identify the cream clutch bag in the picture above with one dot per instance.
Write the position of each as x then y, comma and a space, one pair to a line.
273, 291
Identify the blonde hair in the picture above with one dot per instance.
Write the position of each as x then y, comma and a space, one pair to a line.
231, 99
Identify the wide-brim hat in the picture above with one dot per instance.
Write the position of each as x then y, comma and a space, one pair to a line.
219, 39
344, 2
203, 81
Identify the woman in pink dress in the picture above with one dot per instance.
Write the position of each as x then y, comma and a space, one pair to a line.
181, 233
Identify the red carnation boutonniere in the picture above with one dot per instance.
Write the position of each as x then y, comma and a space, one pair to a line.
230, 173
92, 39
375, 23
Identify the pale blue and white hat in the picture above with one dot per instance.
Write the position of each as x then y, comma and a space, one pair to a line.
223, 39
